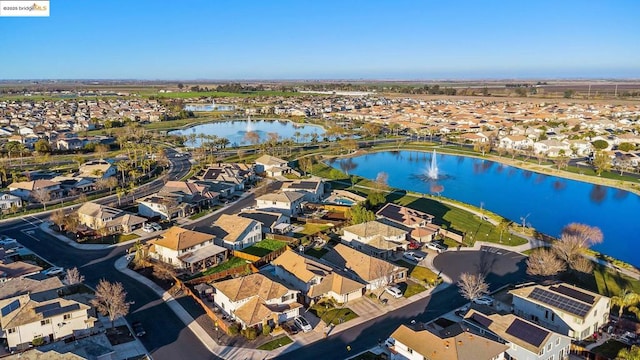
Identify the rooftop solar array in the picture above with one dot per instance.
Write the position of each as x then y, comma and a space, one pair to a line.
10, 308
60, 310
47, 307
573, 293
527, 332
482, 320
560, 301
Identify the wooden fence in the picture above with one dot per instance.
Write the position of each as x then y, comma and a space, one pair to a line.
241, 269
217, 318
244, 255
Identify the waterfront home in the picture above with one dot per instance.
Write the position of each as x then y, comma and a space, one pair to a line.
187, 249
562, 308
313, 190
375, 238
404, 216
288, 203
256, 300
272, 166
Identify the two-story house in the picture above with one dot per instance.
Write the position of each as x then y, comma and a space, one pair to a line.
374, 272
36, 190
97, 169
236, 232
230, 173
27, 317
288, 203
96, 216
256, 300
417, 222
313, 190
187, 249
375, 238
176, 199
272, 166
452, 343
9, 202
562, 308
314, 279
272, 222
525, 339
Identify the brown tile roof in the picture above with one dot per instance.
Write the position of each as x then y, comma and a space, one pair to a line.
300, 266
249, 286
367, 267
372, 228
26, 313
463, 346
230, 227
177, 238
336, 283
253, 312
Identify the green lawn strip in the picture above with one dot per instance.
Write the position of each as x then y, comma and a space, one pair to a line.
264, 247
310, 229
413, 288
111, 239
200, 214
326, 310
231, 263
609, 349
276, 343
316, 253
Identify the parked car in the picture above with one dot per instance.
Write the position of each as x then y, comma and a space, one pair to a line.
414, 245
394, 291
290, 329
484, 300
7, 241
413, 256
54, 271
147, 228
138, 329
436, 246
302, 324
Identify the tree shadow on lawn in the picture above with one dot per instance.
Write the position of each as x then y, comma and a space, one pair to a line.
426, 205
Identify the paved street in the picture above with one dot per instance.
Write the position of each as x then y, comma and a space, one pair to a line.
504, 268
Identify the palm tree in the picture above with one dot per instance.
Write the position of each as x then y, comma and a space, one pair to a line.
626, 299
119, 194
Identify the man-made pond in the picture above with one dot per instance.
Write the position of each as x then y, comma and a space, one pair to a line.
547, 203
247, 132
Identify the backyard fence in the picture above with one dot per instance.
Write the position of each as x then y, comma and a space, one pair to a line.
241, 269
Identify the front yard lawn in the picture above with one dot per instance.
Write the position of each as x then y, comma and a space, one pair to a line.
264, 247
413, 288
276, 343
231, 263
326, 310
419, 273
609, 349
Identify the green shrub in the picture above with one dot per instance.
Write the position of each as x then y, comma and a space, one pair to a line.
234, 329
266, 330
38, 341
250, 333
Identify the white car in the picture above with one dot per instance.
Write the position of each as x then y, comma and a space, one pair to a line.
436, 246
394, 291
484, 300
147, 228
54, 271
302, 324
413, 256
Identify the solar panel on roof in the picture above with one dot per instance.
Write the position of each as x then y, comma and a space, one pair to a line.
47, 307
482, 320
527, 332
573, 293
8, 309
559, 301
60, 310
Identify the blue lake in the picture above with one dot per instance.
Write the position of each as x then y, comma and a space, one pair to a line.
547, 202
236, 131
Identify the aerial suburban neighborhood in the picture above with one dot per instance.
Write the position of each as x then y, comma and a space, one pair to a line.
319, 180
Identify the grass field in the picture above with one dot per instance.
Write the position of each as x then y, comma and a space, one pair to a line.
609, 349
412, 289
264, 247
231, 263
276, 343
326, 311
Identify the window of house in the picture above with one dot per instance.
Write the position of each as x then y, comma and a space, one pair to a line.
410, 350
557, 341
549, 347
45, 322
66, 316
11, 331
541, 351
514, 346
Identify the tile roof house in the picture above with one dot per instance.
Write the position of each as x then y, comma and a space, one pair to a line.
28, 190
288, 203
452, 343
236, 232
404, 216
375, 238
187, 249
272, 166
232, 173
97, 169
562, 308
96, 216
374, 272
29, 316
314, 279
525, 339
176, 199
256, 300
313, 190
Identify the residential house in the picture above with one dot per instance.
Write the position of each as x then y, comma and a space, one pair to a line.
525, 339
374, 272
314, 279
27, 317
313, 190
562, 308
376, 238
552, 148
176, 199
272, 166
97, 169
272, 222
33, 190
30, 284
72, 185
515, 142
236, 232
225, 190
9, 202
232, 173
452, 343
96, 216
187, 249
10, 269
288, 203
95, 347
404, 216
256, 300
69, 144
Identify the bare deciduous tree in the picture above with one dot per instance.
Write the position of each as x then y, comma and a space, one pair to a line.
73, 277
41, 195
111, 300
567, 248
582, 265
587, 235
544, 262
472, 286
58, 217
163, 271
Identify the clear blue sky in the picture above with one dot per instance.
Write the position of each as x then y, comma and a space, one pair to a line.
322, 39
